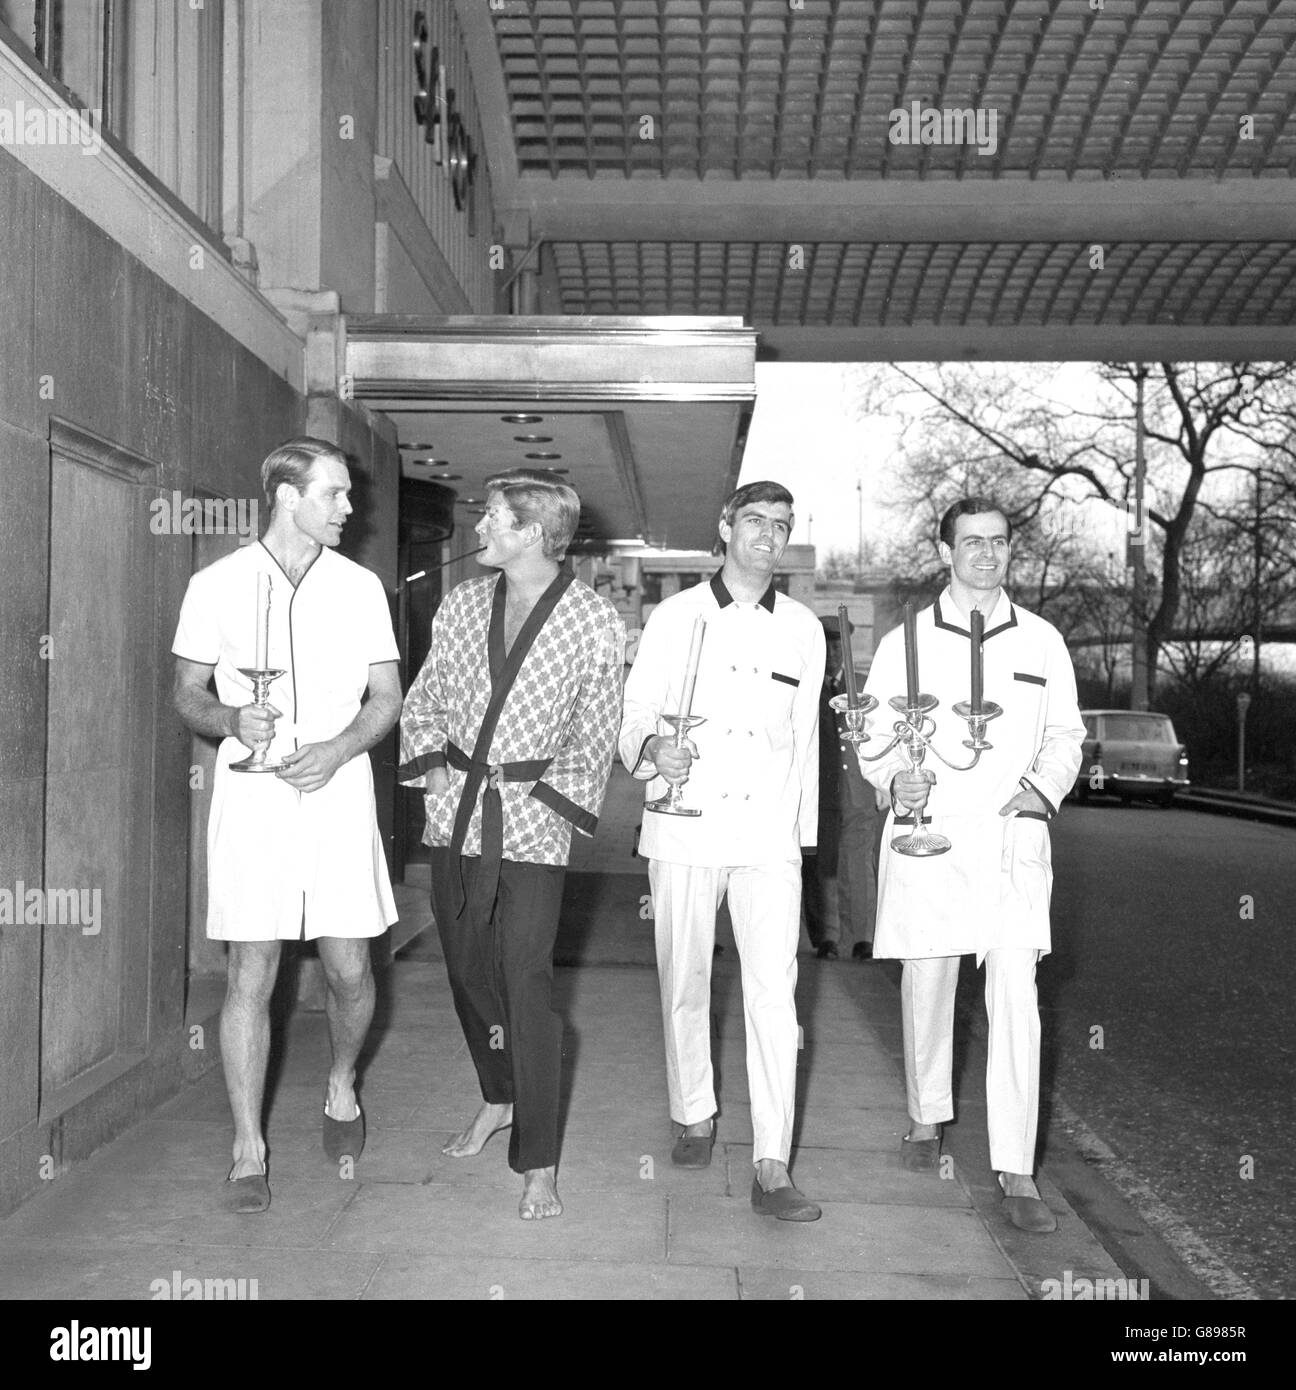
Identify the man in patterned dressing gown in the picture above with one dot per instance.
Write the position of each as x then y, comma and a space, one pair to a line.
511, 728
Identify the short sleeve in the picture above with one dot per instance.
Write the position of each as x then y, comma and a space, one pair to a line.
198, 636
376, 624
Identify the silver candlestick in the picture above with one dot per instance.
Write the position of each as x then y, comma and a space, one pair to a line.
259, 760
915, 731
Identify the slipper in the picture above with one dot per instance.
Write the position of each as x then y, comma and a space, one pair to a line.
243, 1196
694, 1150
920, 1155
786, 1203
343, 1138
1028, 1213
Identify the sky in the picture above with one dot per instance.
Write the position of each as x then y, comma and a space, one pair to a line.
802, 435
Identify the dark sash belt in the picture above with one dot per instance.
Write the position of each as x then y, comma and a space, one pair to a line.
504, 669
492, 823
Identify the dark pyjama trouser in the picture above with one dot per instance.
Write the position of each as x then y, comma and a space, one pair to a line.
501, 977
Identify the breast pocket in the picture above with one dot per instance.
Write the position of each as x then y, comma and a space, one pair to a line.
780, 695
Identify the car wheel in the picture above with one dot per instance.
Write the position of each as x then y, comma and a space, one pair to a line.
1125, 798
1166, 799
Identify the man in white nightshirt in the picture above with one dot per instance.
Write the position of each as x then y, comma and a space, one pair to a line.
294, 855
752, 769
989, 893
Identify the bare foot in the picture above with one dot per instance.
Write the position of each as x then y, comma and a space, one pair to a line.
247, 1165
340, 1100
539, 1195
918, 1133
486, 1122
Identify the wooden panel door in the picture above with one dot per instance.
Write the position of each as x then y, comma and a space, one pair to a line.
99, 767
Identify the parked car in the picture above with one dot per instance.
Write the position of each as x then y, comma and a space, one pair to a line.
1131, 753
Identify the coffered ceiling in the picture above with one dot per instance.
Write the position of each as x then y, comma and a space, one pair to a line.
1122, 185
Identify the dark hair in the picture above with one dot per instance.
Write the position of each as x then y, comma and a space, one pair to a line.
970, 506
292, 462
753, 492
535, 495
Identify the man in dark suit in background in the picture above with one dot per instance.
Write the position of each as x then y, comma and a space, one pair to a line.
846, 864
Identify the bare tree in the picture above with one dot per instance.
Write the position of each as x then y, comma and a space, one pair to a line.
1205, 425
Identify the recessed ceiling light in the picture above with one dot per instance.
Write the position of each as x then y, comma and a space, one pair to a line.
449, 477
522, 419
430, 463
416, 446
542, 456
468, 501
533, 438
553, 470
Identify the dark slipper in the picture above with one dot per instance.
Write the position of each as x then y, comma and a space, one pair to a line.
920, 1155
694, 1150
786, 1203
244, 1196
1029, 1213
343, 1138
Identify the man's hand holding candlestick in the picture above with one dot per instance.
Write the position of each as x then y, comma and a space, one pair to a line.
671, 762
911, 789
254, 725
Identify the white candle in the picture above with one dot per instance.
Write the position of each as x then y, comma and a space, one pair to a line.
262, 621
690, 672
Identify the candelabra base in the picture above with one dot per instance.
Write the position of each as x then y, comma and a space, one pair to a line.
665, 806
920, 843
258, 762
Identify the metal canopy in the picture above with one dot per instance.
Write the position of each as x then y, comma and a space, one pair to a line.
736, 157
641, 417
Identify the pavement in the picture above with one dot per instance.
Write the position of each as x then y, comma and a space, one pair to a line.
141, 1217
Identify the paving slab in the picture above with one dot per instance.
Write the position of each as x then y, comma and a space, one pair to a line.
461, 1222
824, 1285
849, 1175
849, 1236
423, 1276
37, 1269
106, 1207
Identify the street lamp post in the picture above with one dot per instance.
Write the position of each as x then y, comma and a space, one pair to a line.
1243, 704
1137, 549
859, 546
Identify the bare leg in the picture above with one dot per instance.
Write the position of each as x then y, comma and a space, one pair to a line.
245, 1046
917, 1131
487, 1121
539, 1195
349, 1005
